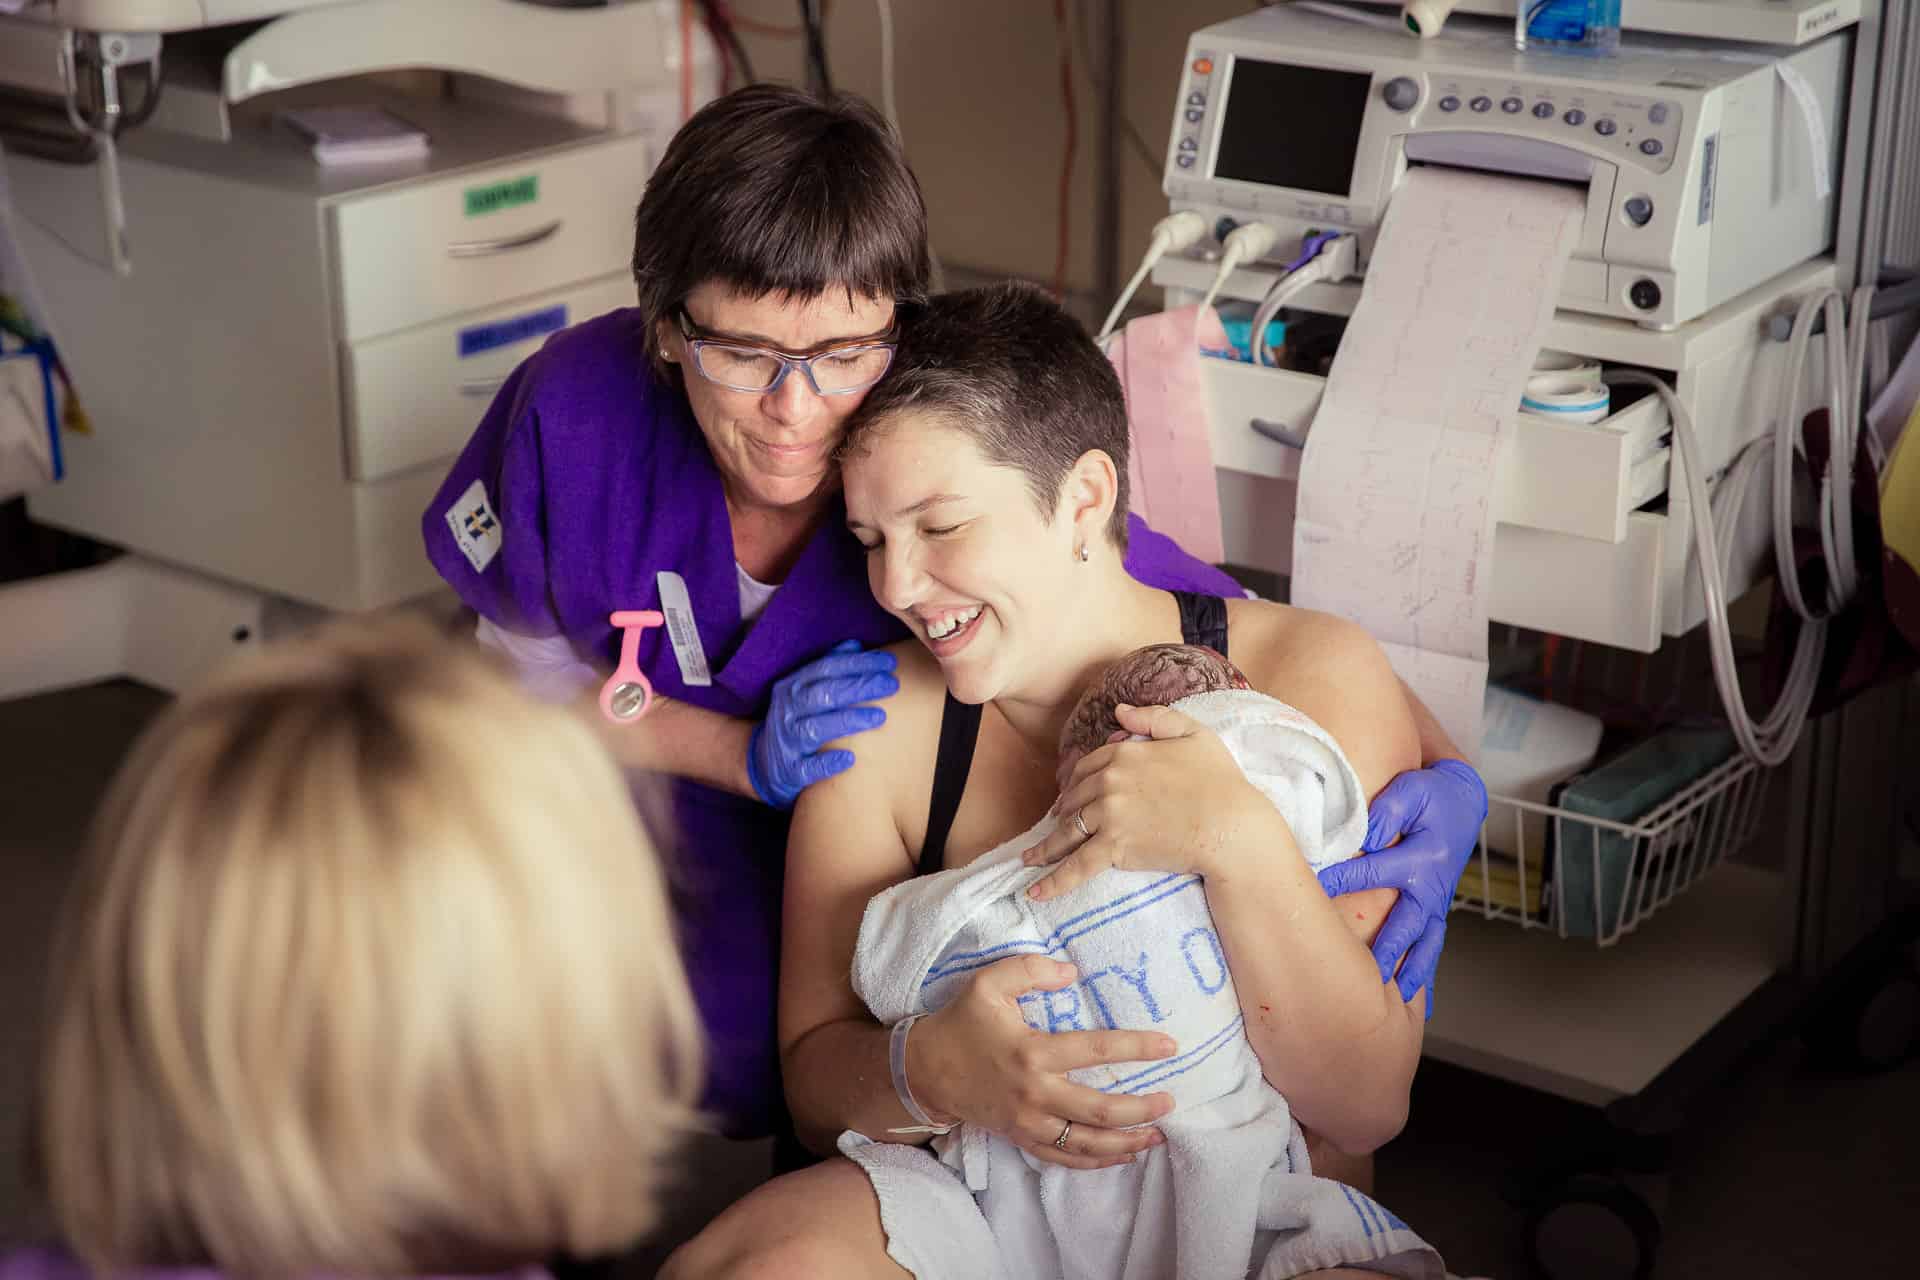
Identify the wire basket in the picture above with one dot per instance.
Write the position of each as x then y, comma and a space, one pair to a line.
1597, 879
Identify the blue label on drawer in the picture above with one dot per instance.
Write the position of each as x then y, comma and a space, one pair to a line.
504, 333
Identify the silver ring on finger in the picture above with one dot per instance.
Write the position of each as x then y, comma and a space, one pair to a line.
1080, 821
1061, 1141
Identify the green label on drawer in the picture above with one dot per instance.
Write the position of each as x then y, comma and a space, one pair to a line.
502, 195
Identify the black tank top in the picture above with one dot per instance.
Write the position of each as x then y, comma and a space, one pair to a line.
1203, 620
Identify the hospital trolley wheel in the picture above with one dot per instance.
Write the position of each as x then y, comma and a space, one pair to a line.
1880, 1026
1592, 1227
1871, 1023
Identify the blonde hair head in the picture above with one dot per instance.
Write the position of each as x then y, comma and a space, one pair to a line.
369, 971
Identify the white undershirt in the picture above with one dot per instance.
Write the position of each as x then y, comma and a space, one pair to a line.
754, 595
551, 671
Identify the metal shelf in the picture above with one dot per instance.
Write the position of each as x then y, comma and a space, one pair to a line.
1594, 1025
1788, 22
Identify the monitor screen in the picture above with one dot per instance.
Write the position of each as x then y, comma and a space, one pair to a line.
1289, 126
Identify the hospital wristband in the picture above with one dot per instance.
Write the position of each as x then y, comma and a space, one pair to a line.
897, 1065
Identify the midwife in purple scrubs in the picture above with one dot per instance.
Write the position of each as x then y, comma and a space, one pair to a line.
678, 455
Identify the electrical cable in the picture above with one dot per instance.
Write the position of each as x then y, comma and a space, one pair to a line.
1716, 520
1063, 38
1141, 146
1285, 290
1248, 242
1325, 256
1174, 232
819, 78
889, 105
721, 23
686, 60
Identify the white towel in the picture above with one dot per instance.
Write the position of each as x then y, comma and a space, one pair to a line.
1231, 1189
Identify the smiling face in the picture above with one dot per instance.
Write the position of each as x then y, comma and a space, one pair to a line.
958, 549
774, 449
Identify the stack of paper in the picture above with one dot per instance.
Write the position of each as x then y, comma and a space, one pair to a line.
356, 135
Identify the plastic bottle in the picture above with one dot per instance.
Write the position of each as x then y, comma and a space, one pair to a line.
1581, 26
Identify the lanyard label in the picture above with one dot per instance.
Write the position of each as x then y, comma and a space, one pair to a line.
685, 637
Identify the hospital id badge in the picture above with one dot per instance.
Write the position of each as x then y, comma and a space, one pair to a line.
681, 633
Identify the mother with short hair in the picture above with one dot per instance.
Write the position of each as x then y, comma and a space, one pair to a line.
986, 480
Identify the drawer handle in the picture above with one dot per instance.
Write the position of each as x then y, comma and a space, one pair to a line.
504, 244
1280, 433
482, 386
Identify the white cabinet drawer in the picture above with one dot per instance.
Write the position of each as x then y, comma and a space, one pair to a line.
1259, 416
1572, 478
1584, 478
1582, 587
416, 397
469, 240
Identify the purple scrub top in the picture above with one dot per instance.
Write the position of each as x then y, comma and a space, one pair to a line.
592, 478
58, 1264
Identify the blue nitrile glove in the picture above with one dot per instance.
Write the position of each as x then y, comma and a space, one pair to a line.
1436, 814
811, 705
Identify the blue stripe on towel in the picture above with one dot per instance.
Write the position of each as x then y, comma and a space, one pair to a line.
1358, 1212
1167, 1068
1057, 940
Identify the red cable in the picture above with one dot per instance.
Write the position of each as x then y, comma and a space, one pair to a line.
1061, 30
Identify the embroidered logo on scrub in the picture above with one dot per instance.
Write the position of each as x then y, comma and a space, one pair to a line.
476, 529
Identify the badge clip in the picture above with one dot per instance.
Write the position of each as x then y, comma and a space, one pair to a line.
628, 694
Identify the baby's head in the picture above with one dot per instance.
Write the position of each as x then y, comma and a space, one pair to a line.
368, 970
1151, 677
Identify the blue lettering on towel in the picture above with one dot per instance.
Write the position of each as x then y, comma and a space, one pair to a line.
1218, 961
1057, 1018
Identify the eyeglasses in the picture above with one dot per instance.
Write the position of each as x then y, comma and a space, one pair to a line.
836, 371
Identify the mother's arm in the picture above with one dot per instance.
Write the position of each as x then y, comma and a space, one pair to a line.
844, 848
1337, 1041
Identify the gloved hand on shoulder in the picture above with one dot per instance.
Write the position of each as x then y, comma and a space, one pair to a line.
815, 704
1435, 813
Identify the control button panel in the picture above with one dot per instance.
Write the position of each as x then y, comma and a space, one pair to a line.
1643, 131
1193, 117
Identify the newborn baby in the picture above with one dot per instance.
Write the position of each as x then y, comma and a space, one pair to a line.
1156, 676
1231, 1192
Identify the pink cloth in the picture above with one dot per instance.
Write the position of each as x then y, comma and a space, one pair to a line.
1170, 467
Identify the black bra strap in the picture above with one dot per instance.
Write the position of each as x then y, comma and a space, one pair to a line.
959, 729
1203, 620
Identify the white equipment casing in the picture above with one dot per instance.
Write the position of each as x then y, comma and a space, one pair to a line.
1584, 545
278, 385
1698, 159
